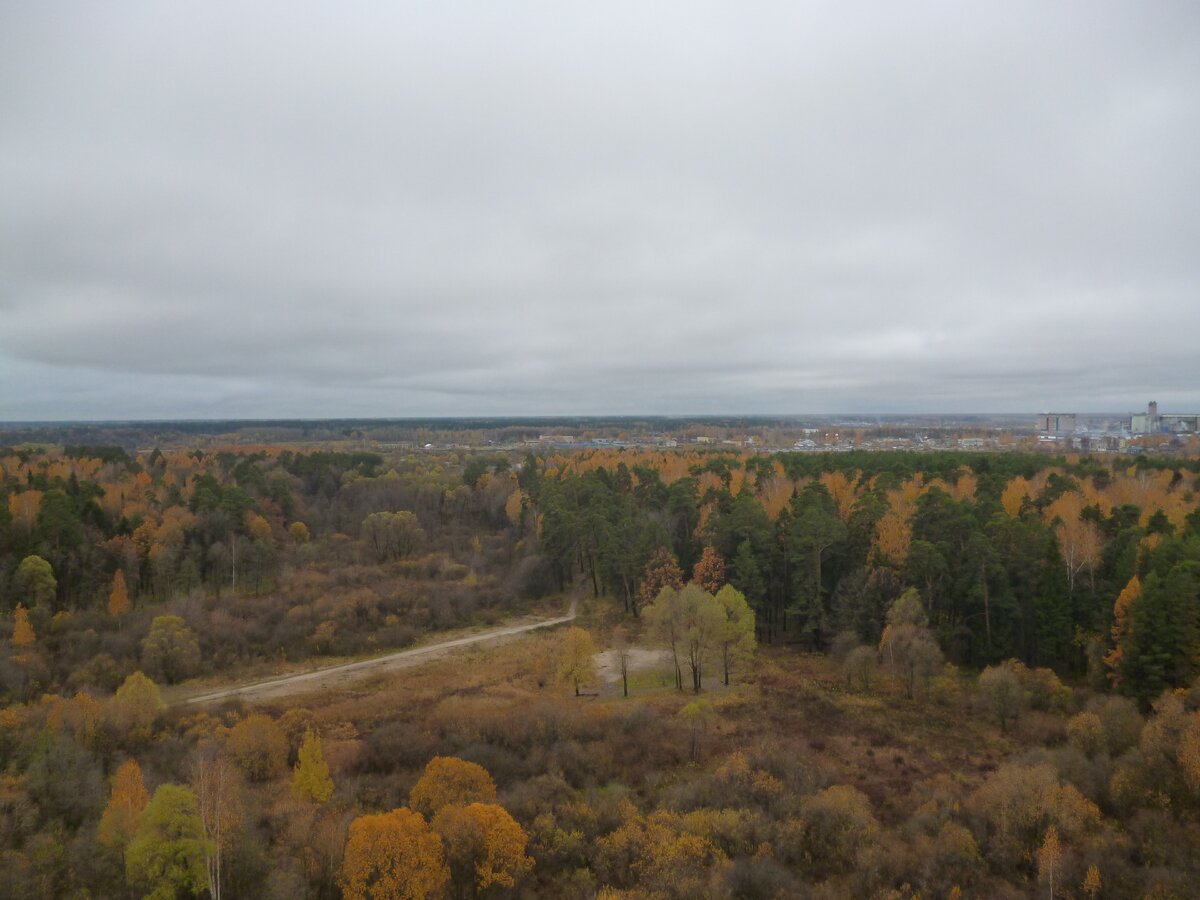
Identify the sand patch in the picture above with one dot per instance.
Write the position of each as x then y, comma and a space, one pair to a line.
608, 666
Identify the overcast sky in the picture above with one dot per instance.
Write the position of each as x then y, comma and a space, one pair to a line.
290, 209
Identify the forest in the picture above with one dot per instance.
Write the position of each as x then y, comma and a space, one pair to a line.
871, 674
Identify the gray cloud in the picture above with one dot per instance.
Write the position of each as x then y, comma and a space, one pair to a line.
565, 208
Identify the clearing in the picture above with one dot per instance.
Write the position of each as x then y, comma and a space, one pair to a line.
345, 673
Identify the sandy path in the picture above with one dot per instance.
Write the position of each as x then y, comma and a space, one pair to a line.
343, 674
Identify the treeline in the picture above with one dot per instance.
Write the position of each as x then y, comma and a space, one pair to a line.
1014, 556
1084, 565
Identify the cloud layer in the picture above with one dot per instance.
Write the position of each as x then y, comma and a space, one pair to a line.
214, 211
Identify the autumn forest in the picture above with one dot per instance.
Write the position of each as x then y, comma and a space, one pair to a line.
765, 675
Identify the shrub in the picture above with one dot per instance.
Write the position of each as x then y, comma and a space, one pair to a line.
259, 746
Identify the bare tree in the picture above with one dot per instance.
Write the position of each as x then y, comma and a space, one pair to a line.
217, 786
621, 647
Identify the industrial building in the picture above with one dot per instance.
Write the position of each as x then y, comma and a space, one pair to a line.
1056, 423
1152, 422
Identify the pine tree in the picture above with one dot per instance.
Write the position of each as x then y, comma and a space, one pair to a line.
747, 576
1162, 644
312, 781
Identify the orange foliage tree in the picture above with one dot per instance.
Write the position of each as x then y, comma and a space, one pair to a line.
118, 597
1120, 625
258, 527
661, 571
123, 814
484, 845
709, 571
392, 856
448, 780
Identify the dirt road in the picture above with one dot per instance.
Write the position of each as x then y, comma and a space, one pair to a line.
341, 675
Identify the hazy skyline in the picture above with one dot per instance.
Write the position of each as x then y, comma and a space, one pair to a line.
295, 210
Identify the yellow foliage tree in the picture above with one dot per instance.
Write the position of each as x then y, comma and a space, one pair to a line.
1014, 495
1049, 858
737, 480
657, 855
892, 538
775, 493
123, 814
35, 579
964, 487
81, 715
311, 780
218, 790
1020, 801
1081, 546
576, 661
24, 507
484, 845
392, 856
1067, 507
843, 492
448, 780
514, 505
259, 746
22, 635
136, 704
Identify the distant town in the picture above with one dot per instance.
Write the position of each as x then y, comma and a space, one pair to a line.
1152, 431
